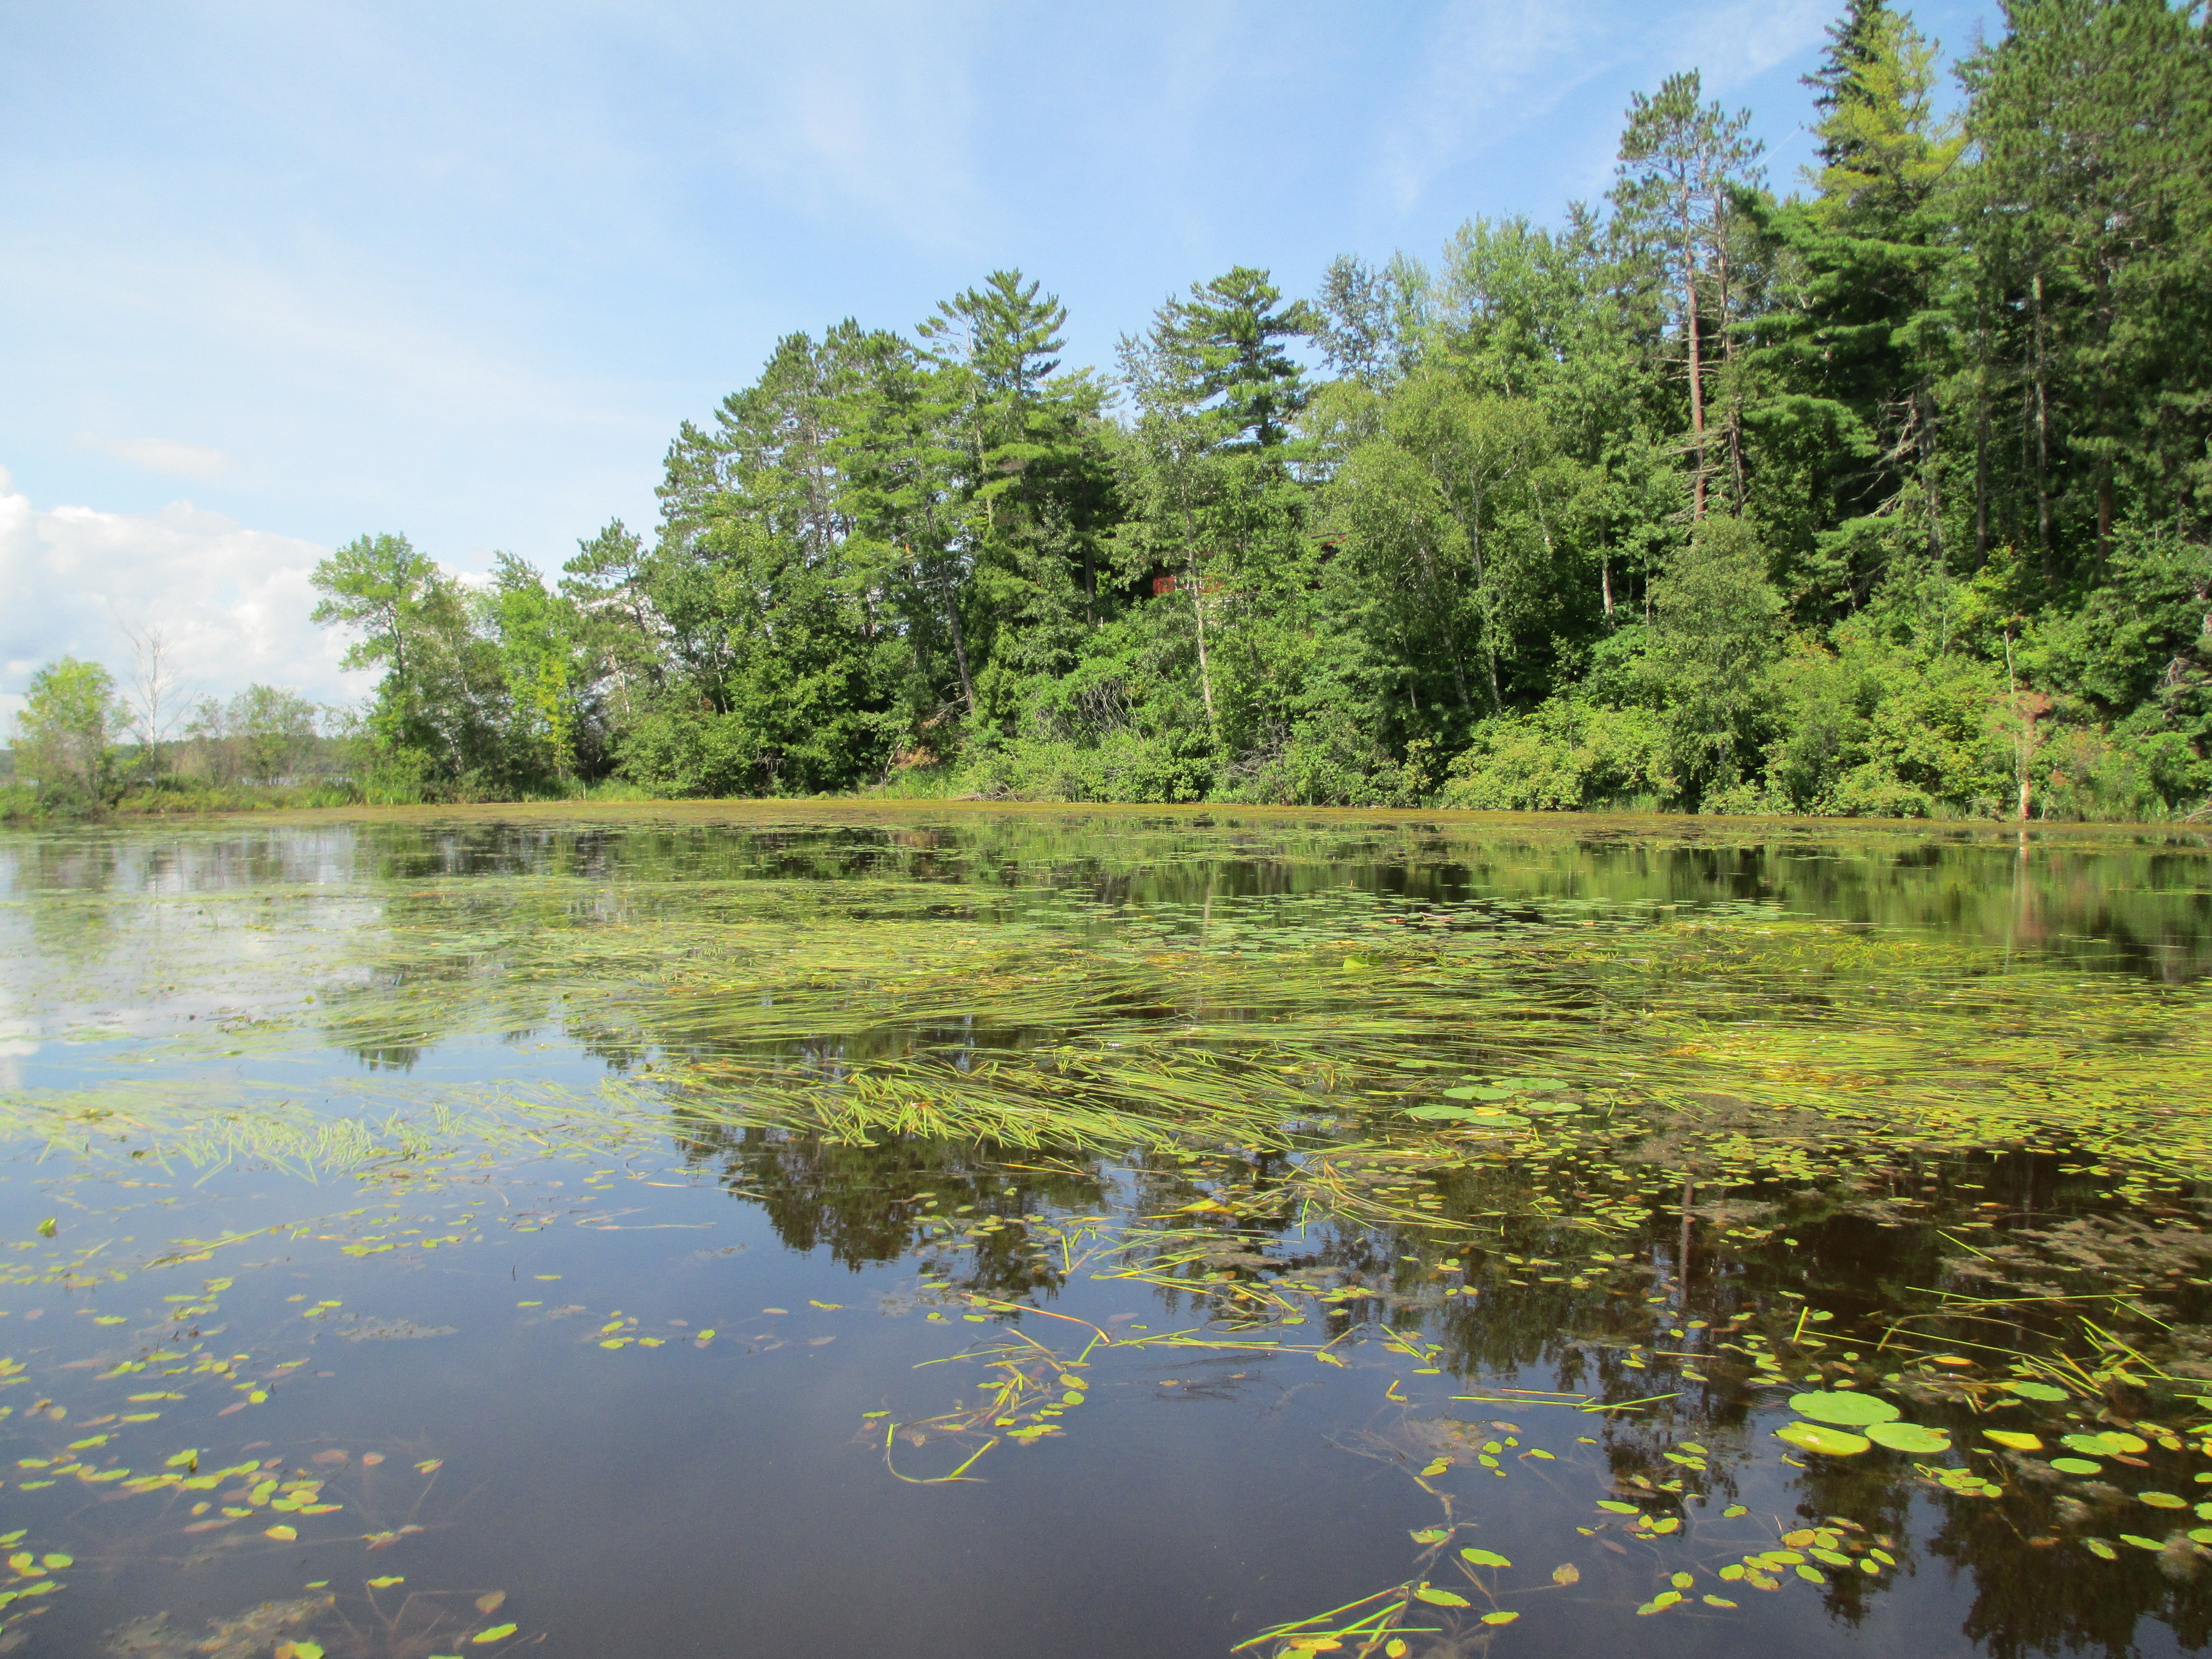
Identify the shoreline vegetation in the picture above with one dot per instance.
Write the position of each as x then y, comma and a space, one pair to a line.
902, 814
1882, 493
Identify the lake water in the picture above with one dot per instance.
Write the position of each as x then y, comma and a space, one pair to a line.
946, 1231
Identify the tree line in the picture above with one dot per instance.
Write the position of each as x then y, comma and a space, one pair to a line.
85, 739
1887, 495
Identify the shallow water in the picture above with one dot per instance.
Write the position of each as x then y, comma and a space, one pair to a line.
943, 1231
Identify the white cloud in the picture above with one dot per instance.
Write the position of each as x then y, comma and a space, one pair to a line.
1494, 67
1742, 42
1499, 69
233, 602
160, 454
834, 111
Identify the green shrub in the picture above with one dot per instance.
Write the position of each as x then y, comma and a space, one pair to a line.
1563, 757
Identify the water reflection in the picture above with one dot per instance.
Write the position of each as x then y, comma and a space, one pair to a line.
1221, 1222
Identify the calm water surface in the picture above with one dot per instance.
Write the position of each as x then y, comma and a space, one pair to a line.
798, 1231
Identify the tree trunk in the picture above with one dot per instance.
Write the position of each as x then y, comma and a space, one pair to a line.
1697, 367
1437, 601
1198, 611
1931, 483
1982, 467
1728, 356
2042, 440
959, 644
1474, 551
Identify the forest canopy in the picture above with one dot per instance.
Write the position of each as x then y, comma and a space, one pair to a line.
1890, 494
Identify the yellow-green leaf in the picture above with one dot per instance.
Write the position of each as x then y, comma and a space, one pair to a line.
1818, 1437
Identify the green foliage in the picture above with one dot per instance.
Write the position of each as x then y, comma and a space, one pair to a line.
1891, 498
259, 736
1565, 756
66, 732
1714, 632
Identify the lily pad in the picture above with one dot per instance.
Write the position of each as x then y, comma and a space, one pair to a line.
2111, 1443
1853, 1410
1476, 1117
1813, 1437
2163, 1500
2014, 1439
2075, 1466
1471, 1091
1908, 1437
2035, 1390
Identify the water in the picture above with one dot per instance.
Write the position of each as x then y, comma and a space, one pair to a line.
813, 1230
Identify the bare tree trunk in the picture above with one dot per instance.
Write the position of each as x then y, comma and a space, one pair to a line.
153, 678
1198, 611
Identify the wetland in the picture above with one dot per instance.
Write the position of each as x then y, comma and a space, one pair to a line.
813, 1228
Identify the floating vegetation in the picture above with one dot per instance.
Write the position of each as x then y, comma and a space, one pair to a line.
1669, 1228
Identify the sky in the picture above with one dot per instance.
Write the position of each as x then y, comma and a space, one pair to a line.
276, 276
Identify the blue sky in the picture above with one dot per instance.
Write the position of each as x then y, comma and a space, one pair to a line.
273, 275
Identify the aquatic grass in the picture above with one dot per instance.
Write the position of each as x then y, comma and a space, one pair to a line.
1210, 1094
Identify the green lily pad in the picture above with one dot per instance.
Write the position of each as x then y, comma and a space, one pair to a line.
1531, 1085
2163, 1500
1473, 1116
1908, 1437
1812, 1437
2035, 1390
1549, 1108
1471, 1091
2111, 1443
1853, 1410
2075, 1466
